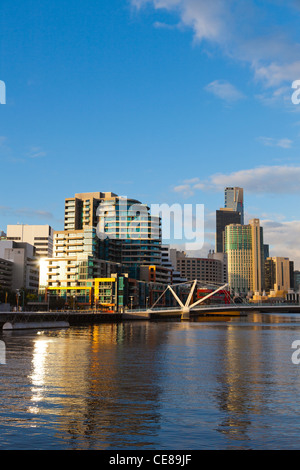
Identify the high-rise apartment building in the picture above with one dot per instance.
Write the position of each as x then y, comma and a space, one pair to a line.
40, 236
234, 200
111, 228
245, 255
76, 242
129, 233
81, 210
104, 234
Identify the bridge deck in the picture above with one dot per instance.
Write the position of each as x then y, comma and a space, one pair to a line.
90, 317
217, 309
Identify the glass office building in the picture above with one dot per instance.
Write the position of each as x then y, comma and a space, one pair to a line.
245, 254
234, 200
224, 217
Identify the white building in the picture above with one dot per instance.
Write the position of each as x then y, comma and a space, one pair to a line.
40, 236
25, 268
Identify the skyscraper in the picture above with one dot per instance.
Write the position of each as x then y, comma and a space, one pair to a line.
244, 248
278, 274
224, 217
258, 256
234, 200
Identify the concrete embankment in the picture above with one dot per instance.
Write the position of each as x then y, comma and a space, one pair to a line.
55, 319
136, 316
35, 325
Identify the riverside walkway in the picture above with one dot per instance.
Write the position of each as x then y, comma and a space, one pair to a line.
185, 311
75, 318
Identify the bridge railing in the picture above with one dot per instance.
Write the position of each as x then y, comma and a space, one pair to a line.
217, 306
149, 309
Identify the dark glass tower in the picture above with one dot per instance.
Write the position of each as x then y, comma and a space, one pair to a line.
224, 217
234, 200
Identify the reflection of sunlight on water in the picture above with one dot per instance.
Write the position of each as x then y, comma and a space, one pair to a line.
38, 374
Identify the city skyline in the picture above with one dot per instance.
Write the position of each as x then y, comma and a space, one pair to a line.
139, 98
149, 227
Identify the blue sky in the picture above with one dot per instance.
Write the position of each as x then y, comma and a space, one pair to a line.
166, 101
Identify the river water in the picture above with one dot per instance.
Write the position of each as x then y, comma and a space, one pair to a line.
206, 384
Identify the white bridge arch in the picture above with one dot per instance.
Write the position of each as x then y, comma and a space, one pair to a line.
188, 306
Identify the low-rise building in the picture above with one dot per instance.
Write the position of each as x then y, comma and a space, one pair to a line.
25, 268
154, 273
223, 258
167, 260
6, 274
40, 236
203, 269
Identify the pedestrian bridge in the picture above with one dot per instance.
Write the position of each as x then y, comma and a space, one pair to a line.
189, 308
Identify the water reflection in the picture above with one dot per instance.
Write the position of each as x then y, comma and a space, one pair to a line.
203, 384
38, 374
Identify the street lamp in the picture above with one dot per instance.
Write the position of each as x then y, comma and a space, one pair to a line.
18, 297
131, 302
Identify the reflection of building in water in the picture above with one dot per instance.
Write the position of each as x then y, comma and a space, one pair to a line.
124, 382
58, 376
241, 369
95, 375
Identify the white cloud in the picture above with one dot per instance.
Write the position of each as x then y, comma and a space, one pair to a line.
184, 189
192, 180
25, 212
283, 239
270, 142
240, 28
275, 74
266, 179
160, 25
224, 90
280, 179
36, 152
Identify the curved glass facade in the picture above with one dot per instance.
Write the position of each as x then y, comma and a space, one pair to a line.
128, 232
